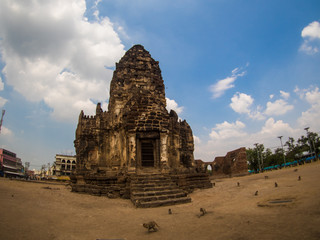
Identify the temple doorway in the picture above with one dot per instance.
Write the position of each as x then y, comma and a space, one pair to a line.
147, 153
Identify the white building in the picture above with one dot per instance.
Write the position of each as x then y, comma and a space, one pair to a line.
64, 165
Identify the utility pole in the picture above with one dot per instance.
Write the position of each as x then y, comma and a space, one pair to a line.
26, 168
3, 112
259, 165
49, 169
284, 157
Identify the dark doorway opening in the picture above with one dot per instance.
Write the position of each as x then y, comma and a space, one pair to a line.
147, 153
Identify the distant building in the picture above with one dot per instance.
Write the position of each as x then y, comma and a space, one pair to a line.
10, 165
64, 165
233, 164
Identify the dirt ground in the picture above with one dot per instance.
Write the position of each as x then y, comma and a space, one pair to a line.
34, 211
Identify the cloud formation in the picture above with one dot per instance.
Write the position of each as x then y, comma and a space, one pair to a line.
311, 38
172, 104
219, 88
284, 94
278, 107
2, 100
52, 53
227, 136
241, 102
228, 130
310, 117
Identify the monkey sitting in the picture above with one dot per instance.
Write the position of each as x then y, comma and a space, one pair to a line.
170, 211
151, 226
202, 212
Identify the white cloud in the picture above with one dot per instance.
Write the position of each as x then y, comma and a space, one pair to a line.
284, 94
52, 53
219, 88
313, 96
279, 107
6, 132
275, 128
310, 117
268, 135
299, 92
2, 101
227, 136
311, 36
172, 104
1, 84
257, 114
196, 140
311, 31
224, 137
228, 130
308, 48
241, 102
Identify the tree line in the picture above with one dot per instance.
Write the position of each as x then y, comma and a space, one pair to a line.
291, 151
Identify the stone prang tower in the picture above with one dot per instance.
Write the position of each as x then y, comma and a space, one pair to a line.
136, 135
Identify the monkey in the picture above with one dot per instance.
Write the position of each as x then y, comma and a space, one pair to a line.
238, 184
202, 212
214, 184
169, 211
275, 184
266, 177
256, 194
299, 178
296, 170
151, 226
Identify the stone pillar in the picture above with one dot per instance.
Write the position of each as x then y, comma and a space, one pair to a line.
164, 152
132, 155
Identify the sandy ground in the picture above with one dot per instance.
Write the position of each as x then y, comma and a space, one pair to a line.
30, 211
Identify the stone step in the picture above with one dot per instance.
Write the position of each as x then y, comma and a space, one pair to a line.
156, 193
159, 197
153, 188
199, 183
149, 178
167, 202
153, 184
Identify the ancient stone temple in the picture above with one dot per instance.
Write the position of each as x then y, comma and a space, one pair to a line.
137, 143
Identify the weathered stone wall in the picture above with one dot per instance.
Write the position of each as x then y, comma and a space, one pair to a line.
233, 164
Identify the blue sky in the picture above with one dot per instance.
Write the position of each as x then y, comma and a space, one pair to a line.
240, 72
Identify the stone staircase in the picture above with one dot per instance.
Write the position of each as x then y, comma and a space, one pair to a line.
191, 181
155, 190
